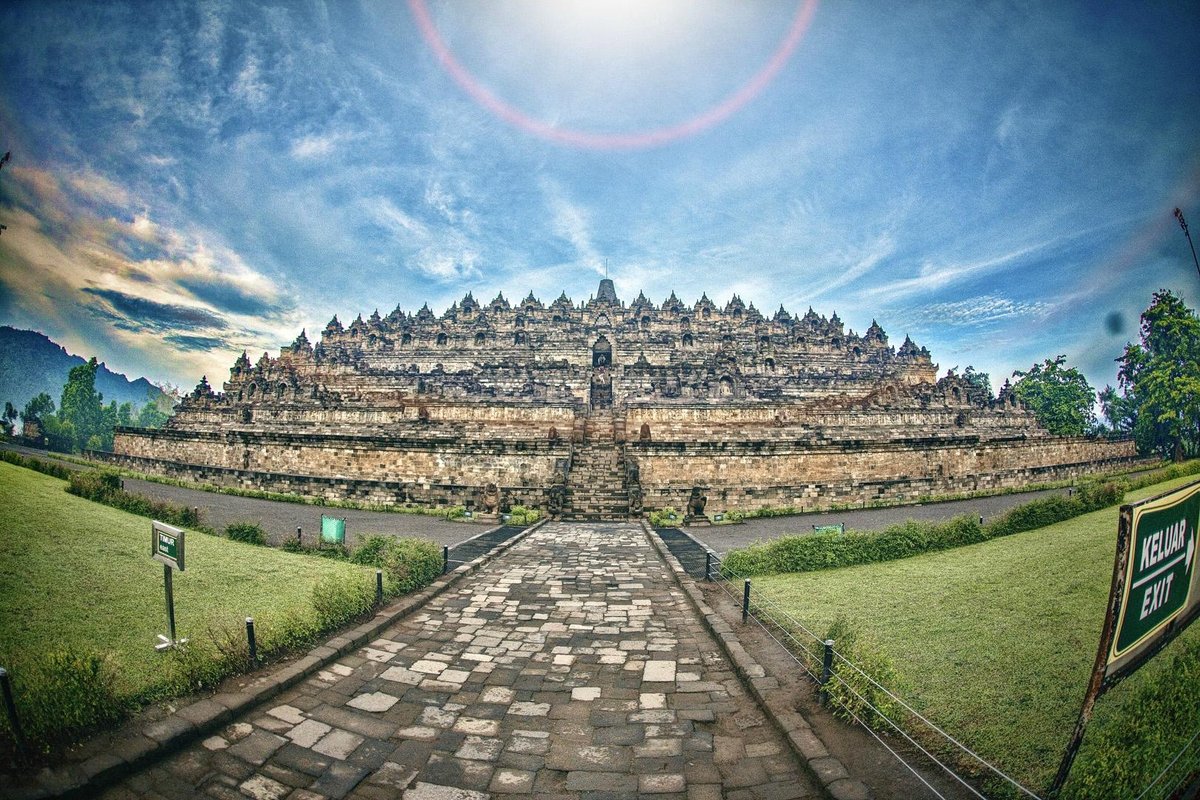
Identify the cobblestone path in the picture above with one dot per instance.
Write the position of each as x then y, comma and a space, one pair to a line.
569, 667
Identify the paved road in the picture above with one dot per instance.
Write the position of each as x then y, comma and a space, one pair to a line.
280, 520
569, 667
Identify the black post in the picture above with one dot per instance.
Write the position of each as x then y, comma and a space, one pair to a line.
707, 565
981, 519
1183, 224
298, 542
445, 559
746, 601
826, 672
170, 603
251, 640
378, 586
11, 707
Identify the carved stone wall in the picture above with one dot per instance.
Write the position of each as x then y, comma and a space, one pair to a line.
760, 411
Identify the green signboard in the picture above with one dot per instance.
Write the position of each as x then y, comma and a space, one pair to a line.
1154, 596
333, 530
1160, 570
166, 544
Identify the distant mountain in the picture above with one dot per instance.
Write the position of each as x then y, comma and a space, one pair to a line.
30, 362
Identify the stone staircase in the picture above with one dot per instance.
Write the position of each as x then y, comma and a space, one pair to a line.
596, 486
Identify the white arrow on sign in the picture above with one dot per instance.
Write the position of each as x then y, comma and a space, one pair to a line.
1191, 550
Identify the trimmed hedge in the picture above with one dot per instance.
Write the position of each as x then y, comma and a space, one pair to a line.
36, 464
832, 550
104, 486
408, 564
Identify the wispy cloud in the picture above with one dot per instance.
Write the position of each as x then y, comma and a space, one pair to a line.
136, 287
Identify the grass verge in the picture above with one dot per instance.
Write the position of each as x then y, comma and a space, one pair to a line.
995, 641
83, 599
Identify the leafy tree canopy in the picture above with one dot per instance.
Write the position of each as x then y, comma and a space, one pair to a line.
81, 404
1058, 395
37, 409
1160, 381
981, 381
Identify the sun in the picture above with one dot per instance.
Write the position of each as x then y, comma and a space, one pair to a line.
616, 24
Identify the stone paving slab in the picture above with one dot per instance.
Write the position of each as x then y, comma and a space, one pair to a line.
572, 666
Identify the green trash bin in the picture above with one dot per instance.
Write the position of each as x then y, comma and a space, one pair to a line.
333, 530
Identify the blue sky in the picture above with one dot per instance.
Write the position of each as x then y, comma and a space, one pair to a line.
996, 180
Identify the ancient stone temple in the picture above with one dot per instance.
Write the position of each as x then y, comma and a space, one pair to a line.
602, 409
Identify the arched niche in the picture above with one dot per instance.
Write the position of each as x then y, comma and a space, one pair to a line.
602, 352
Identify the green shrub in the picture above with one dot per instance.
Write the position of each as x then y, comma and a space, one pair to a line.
337, 602
288, 633
248, 532
1096, 495
408, 564
662, 518
104, 486
1120, 761
831, 550
62, 695
1036, 514
852, 695
36, 464
194, 666
520, 515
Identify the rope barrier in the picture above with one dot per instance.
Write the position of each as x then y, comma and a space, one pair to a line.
772, 611
1167, 769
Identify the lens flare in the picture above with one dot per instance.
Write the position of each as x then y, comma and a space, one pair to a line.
635, 140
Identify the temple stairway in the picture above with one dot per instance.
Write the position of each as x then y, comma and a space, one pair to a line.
596, 485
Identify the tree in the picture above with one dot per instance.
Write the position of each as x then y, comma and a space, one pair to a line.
125, 415
1058, 395
36, 411
151, 416
1119, 410
1160, 380
81, 405
10, 416
981, 381
60, 434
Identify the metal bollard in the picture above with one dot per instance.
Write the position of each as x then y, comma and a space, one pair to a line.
707, 565
445, 559
826, 672
378, 586
746, 601
251, 640
298, 543
980, 519
11, 707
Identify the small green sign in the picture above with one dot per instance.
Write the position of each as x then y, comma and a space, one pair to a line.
166, 544
1161, 568
333, 530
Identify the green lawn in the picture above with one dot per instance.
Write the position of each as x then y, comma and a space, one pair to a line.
76, 573
995, 641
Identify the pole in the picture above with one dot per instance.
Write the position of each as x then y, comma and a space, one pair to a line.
708, 565
11, 707
251, 640
445, 559
746, 601
826, 671
298, 542
170, 602
378, 586
1187, 233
